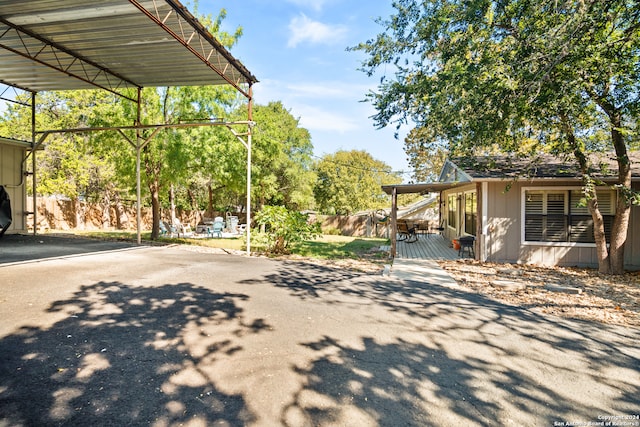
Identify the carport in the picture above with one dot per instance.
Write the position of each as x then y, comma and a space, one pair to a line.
120, 46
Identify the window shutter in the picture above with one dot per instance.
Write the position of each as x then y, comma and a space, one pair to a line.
533, 204
555, 204
576, 196
606, 202
533, 225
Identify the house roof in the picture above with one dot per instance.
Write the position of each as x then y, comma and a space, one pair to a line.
110, 44
488, 168
15, 142
462, 171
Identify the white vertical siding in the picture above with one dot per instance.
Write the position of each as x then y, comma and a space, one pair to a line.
11, 178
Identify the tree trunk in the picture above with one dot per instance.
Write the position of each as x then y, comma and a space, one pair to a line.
172, 203
122, 220
611, 259
194, 207
155, 207
620, 224
153, 169
210, 201
599, 235
78, 214
619, 230
106, 210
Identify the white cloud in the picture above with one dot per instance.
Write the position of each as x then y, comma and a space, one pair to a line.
304, 29
314, 118
320, 90
310, 4
270, 89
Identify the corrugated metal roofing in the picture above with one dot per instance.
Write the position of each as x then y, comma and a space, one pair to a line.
112, 44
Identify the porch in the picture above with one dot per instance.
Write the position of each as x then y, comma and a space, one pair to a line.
428, 246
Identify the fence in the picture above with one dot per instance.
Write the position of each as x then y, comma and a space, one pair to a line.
63, 214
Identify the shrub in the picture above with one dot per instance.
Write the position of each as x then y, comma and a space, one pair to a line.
284, 227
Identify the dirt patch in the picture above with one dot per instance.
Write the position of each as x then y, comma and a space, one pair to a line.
565, 292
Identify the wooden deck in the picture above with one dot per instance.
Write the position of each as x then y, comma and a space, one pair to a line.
428, 246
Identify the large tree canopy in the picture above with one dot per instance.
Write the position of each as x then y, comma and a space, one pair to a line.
516, 76
350, 181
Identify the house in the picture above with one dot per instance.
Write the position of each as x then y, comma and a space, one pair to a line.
424, 210
528, 211
13, 154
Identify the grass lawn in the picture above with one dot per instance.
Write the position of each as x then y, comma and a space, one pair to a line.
340, 247
325, 247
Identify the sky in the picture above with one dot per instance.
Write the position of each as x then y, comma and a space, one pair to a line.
297, 51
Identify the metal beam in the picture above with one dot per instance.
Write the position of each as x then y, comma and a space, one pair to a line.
142, 127
33, 162
49, 54
140, 143
197, 40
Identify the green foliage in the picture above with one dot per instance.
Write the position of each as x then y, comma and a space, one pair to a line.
350, 181
512, 75
517, 76
206, 166
282, 159
426, 154
284, 227
341, 247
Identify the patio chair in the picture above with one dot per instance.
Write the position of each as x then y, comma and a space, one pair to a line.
439, 229
216, 229
184, 229
406, 232
163, 229
168, 230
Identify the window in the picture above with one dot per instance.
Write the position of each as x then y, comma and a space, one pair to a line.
470, 213
555, 216
452, 208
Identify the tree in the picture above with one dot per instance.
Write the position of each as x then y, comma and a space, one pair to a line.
350, 181
521, 77
426, 154
168, 157
71, 164
282, 161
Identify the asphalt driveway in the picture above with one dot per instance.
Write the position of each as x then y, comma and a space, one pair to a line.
125, 335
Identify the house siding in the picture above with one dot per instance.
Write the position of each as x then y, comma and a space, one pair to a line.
632, 248
11, 179
503, 240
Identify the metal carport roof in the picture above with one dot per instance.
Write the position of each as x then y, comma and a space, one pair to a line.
115, 45
111, 44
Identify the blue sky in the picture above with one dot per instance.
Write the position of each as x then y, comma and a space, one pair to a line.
297, 49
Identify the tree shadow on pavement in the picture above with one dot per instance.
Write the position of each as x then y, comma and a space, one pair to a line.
306, 280
458, 358
125, 355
